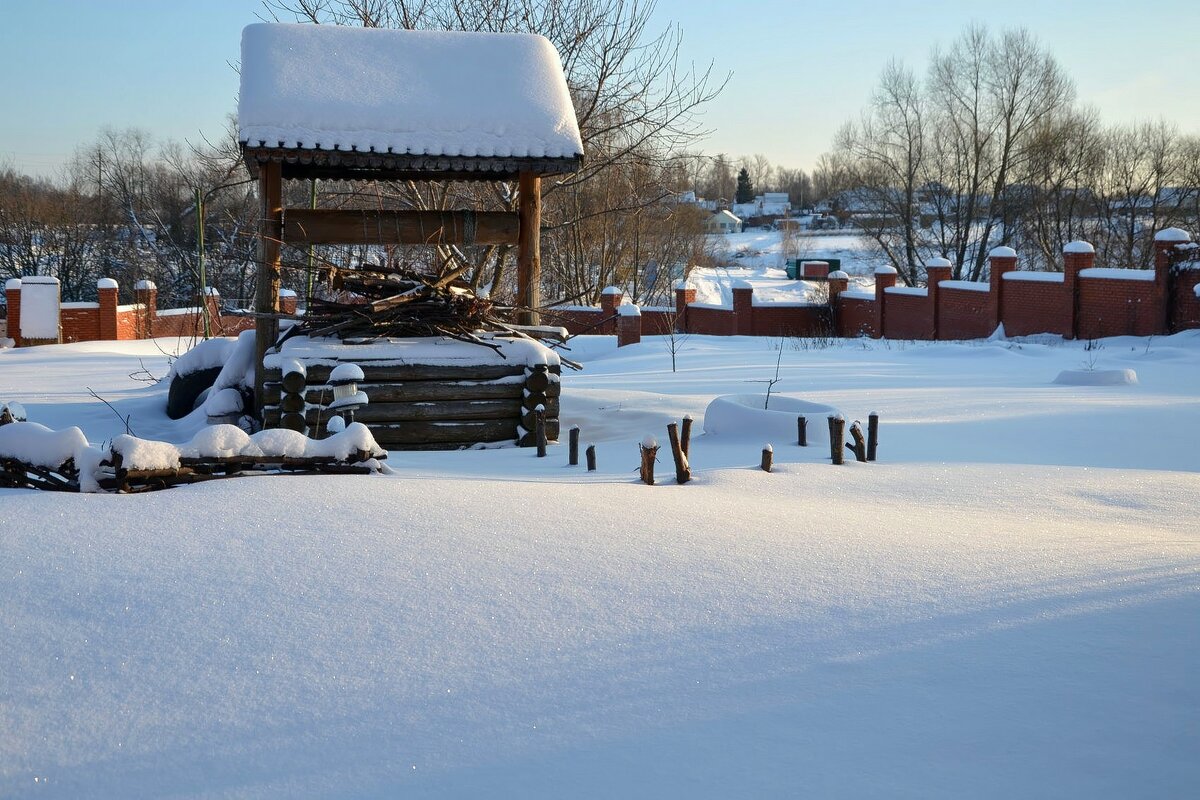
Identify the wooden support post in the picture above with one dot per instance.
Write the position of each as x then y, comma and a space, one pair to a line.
573, 446
529, 247
591, 458
266, 298
837, 438
802, 431
768, 456
683, 472
649, 452
685, 436
859, 448
872, 435
540, 430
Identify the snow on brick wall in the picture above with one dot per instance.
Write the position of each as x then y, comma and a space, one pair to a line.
39, 307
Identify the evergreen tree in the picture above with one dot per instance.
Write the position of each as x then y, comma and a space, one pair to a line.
745, 189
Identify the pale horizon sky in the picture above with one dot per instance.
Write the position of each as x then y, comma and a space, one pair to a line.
800, 69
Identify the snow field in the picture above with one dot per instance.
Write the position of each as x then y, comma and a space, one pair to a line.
1003, 606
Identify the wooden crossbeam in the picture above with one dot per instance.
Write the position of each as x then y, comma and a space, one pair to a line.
324, 226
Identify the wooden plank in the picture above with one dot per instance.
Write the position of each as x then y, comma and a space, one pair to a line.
373, 226
416, 391
318, 374
444, 410
529, 248
266, 299
495, 430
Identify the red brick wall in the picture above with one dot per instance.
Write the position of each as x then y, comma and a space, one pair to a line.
711, 321
855, 317
576, 322
14, 314
127, 324
964, 314
1117, 307
80, 324
657, 323
781, 320
1034, 307
907, 317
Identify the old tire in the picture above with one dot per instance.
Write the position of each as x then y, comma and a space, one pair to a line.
184, 389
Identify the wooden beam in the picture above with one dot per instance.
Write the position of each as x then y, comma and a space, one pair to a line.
529, 248
325, 226
266, 299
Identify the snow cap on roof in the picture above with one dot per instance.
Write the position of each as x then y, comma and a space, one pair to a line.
886, 269
1002, 252
1172, 235
1078, 246
12, 284
442, 93
938, 261
106, 283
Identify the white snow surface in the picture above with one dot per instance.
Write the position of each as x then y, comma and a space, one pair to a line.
1003, 606
1042, 277
971, 286
753, 415
205, 355
423, 92
106, 283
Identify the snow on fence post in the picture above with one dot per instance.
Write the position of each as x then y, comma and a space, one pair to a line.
768, 456
40, 308
629, 325
743, 309
1165, 242
610, 301
684, 296
106, 290
145, 294
885, 278
1077, 256
859, 447
1000, 260
938, 269
12, 296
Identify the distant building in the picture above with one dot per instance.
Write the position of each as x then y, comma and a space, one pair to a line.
723, 222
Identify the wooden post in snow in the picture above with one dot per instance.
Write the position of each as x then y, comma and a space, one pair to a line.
649, 453
266, 296
573, 446
859, 448
685, 436
591, 458
529, 247
540, 430
802, 431
872, 435
768, 456
837, 438
683, 472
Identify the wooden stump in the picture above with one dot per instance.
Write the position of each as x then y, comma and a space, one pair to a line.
768, 456
837, 437
573, 446
802, 431
591, 458
649, 452
872, 435
685, 436
683, 472
540, 430
859, 448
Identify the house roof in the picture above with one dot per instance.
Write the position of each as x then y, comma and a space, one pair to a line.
331, 98
726, 213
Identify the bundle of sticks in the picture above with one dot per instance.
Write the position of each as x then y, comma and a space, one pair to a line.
372, 304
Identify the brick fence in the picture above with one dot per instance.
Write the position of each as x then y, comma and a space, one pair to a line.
105, 320
1081, 302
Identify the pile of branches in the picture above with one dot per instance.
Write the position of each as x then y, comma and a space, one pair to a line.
17, 474
373, 304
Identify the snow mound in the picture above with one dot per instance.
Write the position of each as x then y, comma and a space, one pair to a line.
205, 355
220, 441
1096, 377
743, 416
36, 444
145, 454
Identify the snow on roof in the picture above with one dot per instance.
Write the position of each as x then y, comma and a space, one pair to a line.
727, 213
421, 92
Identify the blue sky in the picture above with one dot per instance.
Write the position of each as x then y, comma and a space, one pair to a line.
800, 68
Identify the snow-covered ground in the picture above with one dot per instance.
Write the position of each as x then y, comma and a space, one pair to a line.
1004, 605
759, 257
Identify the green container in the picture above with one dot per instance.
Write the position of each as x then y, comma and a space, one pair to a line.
792, 267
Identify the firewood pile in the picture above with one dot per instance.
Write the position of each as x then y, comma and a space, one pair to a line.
372, 304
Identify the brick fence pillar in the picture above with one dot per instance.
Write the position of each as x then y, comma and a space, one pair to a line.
885, 278
684, 295
106, 288
629, 325
743, 309
838, 283
1165, 242
937, 270
1000, 260
12, 295
610, 300
145, 294
1077, 256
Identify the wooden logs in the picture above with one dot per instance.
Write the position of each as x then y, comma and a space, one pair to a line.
376, 226
573, 446
591, 458
294, 380
685, 435
293, 422
859, 448
649, 453
683, 472
837, 435
802, 431
872, 435
768, 455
